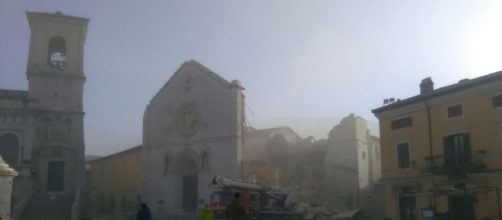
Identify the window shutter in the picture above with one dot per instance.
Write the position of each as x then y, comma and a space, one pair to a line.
403, 155
449, 151
467, 148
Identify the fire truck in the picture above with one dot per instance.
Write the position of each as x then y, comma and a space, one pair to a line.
260, 202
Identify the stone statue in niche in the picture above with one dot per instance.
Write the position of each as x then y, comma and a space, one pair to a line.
188, 83
205, 159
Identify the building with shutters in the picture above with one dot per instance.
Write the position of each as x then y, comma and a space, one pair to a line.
442, 151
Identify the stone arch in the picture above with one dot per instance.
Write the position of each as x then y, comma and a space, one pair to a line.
9, 149
187, 162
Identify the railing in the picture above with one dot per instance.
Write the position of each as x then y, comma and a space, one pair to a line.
456, 166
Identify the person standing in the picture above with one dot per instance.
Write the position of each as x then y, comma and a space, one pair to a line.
144, 213
235, 211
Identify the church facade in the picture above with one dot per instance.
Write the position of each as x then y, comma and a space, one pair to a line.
192, 131
41, 129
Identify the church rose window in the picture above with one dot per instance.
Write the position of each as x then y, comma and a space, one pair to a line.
57, 52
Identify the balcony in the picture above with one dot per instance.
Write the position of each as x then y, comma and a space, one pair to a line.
456, 166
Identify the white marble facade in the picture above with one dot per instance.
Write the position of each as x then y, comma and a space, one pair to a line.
192, 131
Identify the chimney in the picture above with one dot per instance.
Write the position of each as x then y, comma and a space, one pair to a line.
426, 86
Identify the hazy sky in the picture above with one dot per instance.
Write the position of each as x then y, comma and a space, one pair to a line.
297, 59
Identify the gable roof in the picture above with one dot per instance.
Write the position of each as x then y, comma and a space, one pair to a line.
462, 85
212, 75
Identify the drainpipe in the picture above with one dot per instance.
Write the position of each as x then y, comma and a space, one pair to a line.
430, 132
429, 128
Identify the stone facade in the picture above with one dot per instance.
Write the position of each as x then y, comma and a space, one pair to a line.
351, 145
41, 129
353, 164
193, 130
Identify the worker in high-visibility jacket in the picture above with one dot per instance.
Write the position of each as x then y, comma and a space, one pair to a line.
206, 213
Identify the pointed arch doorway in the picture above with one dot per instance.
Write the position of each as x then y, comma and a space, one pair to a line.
190, 193
188, 166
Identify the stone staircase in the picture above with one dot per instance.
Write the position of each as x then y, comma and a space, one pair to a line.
48, 207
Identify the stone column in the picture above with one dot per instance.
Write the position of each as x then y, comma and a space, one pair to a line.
7, 174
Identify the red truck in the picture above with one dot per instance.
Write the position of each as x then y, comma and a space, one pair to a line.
259, 201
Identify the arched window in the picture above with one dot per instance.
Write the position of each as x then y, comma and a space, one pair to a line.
57, 52
9, 149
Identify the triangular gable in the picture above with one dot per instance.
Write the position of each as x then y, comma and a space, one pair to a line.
194, 64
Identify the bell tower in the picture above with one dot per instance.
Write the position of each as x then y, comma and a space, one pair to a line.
55, 90
55, 61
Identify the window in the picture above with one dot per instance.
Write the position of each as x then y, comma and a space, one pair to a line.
401, 123
455, 111
497, 101
403, 155
456, 150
